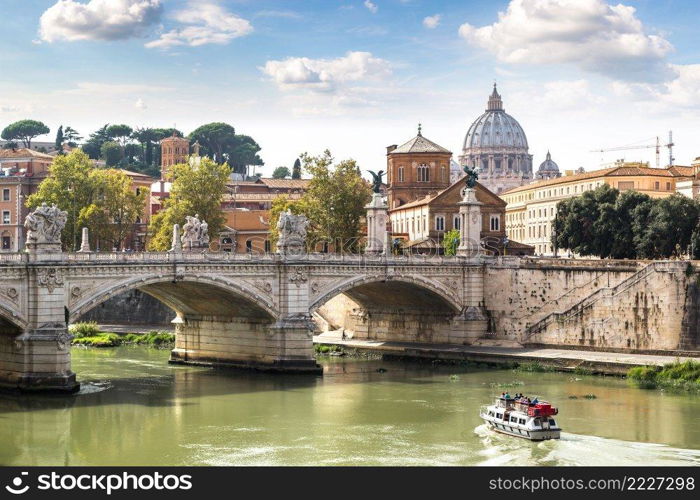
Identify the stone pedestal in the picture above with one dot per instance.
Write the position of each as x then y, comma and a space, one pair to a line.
376, 225
85, 241
469, 224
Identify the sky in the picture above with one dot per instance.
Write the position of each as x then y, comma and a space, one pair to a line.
354, 76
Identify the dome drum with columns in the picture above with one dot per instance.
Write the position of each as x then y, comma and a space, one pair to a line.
496, 145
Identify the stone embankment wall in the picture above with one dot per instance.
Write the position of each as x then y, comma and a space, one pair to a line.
131, 308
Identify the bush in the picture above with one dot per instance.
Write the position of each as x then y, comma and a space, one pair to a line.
86, 329
101, 340
677, 375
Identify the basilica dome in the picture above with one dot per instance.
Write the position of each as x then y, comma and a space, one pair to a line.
496, 146
548, 168
495, 128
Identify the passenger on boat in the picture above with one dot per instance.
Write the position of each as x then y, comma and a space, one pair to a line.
507, 396
535, 401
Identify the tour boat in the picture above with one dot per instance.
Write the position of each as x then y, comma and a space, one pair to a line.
533, 421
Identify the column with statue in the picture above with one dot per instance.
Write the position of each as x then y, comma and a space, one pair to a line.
469, 217
377, 215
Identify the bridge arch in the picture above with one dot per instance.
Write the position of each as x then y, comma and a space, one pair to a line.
409, 290
190, 295
11, 321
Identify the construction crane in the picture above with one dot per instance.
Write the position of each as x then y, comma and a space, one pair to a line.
656, 146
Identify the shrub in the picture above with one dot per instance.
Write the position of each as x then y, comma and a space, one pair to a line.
85, 329
101, 340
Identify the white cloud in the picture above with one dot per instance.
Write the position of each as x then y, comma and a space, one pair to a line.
98, 19
679, 94
372, 7
140, 104
107, 89
432, 22
326, 75
205, 23
591, 34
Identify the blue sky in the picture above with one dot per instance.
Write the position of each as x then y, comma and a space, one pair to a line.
356, 76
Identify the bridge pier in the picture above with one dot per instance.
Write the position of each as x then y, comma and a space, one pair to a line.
37, 356
283, 346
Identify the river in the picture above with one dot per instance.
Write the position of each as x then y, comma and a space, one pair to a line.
135, 409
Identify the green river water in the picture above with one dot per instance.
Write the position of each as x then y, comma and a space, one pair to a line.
135, 409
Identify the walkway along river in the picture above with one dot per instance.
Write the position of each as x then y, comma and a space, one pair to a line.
135, 409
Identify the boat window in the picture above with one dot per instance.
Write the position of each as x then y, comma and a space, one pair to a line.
552, 422
521, 421
513, 419
537, 422
499, 415
490, 414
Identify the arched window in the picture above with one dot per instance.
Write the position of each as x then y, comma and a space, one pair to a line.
495, 223
439, 223
456, 222
423, 173
248, 246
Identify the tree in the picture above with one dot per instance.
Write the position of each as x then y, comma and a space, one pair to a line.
196, 190
24, 130
334, 202
59, 139
72, 187
280, 173
216, 139
296, 170
629, 207
10, 145
450, 242
112, 153
72, 136
220, 142
120, 133
118, 208
667, 229
93, 146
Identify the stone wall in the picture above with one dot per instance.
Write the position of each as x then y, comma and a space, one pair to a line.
131, 308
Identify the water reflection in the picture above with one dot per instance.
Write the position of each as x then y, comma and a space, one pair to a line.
135, 409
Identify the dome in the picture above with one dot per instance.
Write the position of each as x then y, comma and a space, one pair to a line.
548, 165
495, 128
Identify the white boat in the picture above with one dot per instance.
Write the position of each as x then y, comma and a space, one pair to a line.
533, 421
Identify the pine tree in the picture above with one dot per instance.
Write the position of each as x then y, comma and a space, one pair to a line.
59, 139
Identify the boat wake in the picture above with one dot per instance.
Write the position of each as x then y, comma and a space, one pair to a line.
577, 449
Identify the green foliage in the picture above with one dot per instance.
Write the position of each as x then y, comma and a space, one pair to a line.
59, 138
101, 200
99, 340
326, 349
334, 203
71, 136
153, 338
196, 189
93, 146
84, 329
10, 145
280, 173
450, 242
296, 170
120, 133
677, 375
220, 142
112, 153
630, 225
24, 130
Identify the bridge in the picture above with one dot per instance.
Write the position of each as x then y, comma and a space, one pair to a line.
241, 310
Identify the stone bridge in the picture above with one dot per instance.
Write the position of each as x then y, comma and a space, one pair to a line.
231, 309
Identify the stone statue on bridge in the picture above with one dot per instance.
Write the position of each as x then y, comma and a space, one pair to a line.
195, 233
44, 226
291, 232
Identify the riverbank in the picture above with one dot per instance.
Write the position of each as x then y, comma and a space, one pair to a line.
93, 335
564, 360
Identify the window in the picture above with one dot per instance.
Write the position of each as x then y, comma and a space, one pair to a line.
513, 419
6, 217
495, 223
268, 247
401, 173
668, 186
5, 195
6, 243
439, 223
521, 421
656, 186
499, 415
443, 174
456, 223
423, 173
248, 246
552, 422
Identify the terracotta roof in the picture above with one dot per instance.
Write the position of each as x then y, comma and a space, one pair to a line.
134, 174
416, 203
285, 183
420, 144
606, 172
23, 153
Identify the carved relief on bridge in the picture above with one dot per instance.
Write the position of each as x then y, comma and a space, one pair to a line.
50, 278
11, 293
